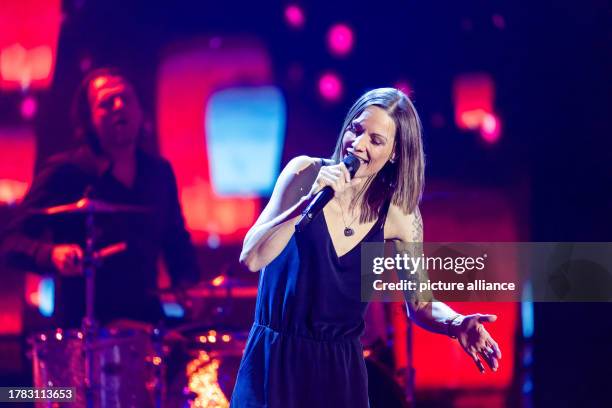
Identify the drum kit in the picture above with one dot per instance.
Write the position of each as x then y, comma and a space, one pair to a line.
133, 364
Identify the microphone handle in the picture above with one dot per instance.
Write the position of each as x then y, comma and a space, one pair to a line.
315, 207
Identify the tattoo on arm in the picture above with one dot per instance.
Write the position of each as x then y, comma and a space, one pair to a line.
417, 226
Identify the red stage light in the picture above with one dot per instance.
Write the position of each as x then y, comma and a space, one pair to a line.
340, 40
18, 147
29, 31
473, 96
188, 77
455, 218
330, 86
294, 16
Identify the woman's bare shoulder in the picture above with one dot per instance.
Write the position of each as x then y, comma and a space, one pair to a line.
294, 182
404, 225
300, 163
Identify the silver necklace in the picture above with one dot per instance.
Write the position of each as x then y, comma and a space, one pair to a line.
348, 231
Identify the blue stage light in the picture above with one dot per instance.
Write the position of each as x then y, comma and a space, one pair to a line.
245, 134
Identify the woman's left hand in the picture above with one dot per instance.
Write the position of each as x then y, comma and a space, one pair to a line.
477, 342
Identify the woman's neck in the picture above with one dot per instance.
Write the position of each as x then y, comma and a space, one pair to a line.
352, 197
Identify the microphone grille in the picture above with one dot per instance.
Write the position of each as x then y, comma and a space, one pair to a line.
352, 164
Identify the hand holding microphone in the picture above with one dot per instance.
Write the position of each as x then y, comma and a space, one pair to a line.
330, 180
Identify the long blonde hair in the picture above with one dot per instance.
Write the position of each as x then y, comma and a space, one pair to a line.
402, 181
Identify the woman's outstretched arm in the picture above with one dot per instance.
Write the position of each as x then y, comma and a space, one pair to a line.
406, 230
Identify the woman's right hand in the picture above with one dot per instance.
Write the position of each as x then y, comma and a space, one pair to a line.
337, 177
67, 259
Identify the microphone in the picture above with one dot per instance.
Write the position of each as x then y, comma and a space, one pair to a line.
325, 195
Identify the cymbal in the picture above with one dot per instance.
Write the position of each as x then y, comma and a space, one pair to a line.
89, 205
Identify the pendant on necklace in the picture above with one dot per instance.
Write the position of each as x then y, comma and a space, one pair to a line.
348, 231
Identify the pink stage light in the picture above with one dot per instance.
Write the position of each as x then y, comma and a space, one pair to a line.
28, 107
490, 128
294, 16
404, 86
340, 40
330, 87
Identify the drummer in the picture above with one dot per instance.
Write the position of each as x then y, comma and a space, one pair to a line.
109, 165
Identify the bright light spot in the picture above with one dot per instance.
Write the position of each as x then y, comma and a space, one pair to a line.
18, 64
340, 40
28, 107
226, 338
294, 16
173, 309
100, 81
59, 336
202, 373
157, 360
490, 128
330, 86
218, 281
11, 191
472, 119
527, 311
474, 96
46, 297
212, 339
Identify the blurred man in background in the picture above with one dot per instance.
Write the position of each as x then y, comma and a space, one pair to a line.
108, 166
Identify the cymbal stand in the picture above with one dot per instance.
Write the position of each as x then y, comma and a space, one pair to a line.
89, 325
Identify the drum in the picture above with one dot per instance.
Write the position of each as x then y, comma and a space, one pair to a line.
127, 369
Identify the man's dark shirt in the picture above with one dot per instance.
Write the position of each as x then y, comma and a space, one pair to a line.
125, 282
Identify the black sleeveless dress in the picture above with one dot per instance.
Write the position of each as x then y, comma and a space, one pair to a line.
303, 349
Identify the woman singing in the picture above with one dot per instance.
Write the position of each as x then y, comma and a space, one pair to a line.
304, 349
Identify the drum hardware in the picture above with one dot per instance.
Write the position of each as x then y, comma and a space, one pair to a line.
89, 207
109, 364
126, 365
